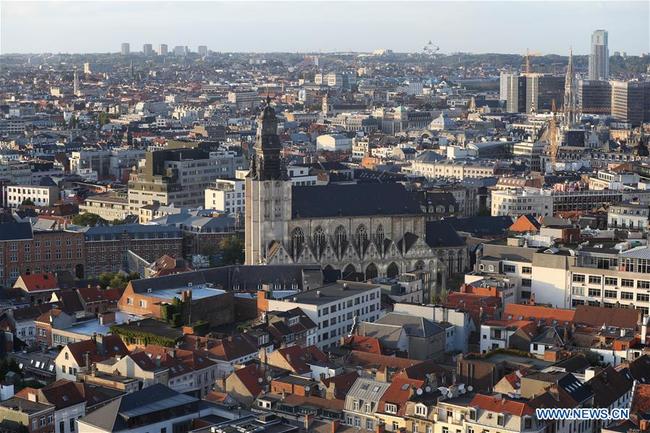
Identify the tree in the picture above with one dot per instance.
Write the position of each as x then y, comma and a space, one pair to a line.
116, 279
103, 118
27, 202
232, 250
88, 219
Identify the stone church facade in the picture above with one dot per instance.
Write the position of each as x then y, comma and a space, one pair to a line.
356, 231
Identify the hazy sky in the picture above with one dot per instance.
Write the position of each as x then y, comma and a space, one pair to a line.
486, 26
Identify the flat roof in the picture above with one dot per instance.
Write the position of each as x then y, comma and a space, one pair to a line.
332, 292
197, 293
90, 327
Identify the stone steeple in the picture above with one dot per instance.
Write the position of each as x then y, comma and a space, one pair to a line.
267, 163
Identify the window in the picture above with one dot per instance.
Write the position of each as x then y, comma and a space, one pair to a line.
578, 278
594, 292
501, 420
390, 408
526, 270
72, 424
509, 269
594, 279
526, 282
609, 281
642, 284
421, 410
610, 294
369, 424
627, 295
643, 297
627, 283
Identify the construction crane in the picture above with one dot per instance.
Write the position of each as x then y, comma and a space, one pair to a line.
527, 67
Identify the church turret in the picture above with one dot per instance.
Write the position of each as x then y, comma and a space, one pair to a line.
268, 191
267, 164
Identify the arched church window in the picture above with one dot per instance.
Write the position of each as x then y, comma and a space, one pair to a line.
340, 236
361, 237
319, 237
297, 241
379, 235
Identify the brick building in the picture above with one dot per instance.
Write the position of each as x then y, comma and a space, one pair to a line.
25, 251
107, 246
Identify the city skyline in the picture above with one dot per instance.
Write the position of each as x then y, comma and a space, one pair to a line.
337, 27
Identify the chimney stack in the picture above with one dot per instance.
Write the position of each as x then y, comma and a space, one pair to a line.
644, 329
334, 425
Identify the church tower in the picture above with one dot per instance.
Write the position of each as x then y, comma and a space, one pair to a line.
268, 191
570, 95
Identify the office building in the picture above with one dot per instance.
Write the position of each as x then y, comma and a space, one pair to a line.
180, 176
513, 91
147, 49
203, 50
162, 49
595, 97
126, 49
541, 91
599, 57
628, 99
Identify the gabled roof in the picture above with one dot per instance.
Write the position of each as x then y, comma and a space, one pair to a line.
252, 377
110, 346
363, 344
538, 312
14, 231
525, 224
495, 403
300, 358
609, 385
399, 391
39, 282
371, 360
597, 316
342, 383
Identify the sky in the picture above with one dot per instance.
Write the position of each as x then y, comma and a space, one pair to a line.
313, 26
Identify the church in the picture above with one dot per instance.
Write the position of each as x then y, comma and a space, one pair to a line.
353, 231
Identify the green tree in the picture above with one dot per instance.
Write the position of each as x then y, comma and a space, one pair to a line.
103, 118
232, 250
87, 219
27, 202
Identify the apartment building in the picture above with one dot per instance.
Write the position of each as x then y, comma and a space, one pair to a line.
109, 206
42, 196
361, 402
453, 169
335, 308
227, 195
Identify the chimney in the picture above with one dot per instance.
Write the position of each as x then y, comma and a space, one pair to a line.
380, 428
334, 425
589, 373
644, 329
308, 420
107, 318
87, 359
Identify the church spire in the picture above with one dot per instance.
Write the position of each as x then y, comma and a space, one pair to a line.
570, 99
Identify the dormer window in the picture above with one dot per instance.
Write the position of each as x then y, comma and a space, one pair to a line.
390, 408
501, 419
421, 410
472, 414
528, 422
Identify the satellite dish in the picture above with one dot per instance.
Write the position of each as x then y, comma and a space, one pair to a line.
450, 394
418, 391
428, 388
307, 388
470, 388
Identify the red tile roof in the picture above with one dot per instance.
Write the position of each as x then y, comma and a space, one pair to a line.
110, 346
371, 360
364, 344
299, 358
252, 377
537, 312
399, 391
39, 282
501, 405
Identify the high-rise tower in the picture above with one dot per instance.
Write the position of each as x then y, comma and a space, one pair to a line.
599, 57
268, 191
